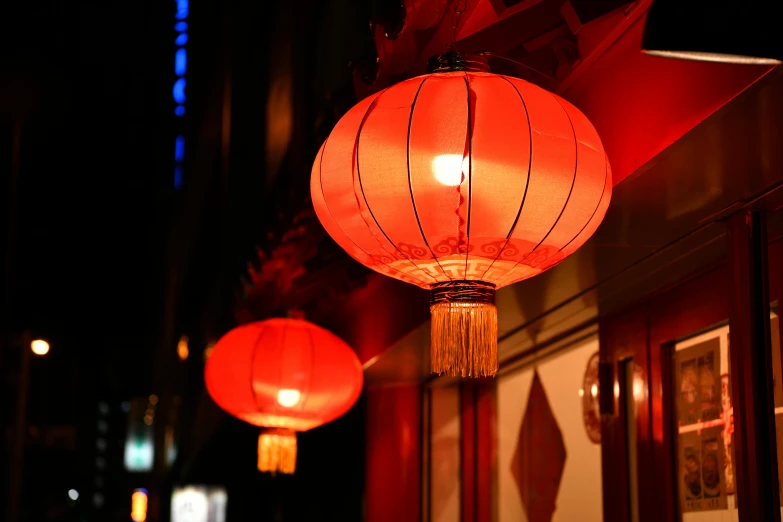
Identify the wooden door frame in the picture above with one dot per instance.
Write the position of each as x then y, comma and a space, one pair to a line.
646, 332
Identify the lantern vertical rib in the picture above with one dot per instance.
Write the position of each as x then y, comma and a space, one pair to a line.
326, 205
364, 196
253, 364
527, 183
410, 183
470, 177
568, 198
603, 193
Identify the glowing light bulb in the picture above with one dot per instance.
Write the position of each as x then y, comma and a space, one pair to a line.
594, 390
288, 398
581, 392
450, 169
39, 347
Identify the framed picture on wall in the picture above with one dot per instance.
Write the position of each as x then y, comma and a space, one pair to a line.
703, 409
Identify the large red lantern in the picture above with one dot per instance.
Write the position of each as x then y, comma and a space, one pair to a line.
284, 375
462, 181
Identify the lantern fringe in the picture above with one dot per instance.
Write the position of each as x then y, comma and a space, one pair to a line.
277, 451
464, 339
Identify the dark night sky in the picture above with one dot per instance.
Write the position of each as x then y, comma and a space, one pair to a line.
94, 177
88, 87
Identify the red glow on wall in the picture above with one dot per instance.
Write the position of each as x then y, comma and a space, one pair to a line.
641, 104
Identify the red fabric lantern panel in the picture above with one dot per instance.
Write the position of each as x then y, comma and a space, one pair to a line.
285, 375
459, 177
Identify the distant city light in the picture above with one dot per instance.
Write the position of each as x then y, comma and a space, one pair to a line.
139, 505
192, 503
182, 348
208, 350
182, 9
39, 347
178, 90
73, 494
179, 148
139, 453
181, 61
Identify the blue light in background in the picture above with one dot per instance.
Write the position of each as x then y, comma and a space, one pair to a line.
182, 9
179, 148
180, 62
179, 91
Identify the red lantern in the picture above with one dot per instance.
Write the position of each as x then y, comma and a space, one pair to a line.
285, 375
461, 182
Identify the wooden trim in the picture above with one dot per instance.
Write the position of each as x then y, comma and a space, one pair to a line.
699, 304
425, 449
478, 449
392, 452
468, 445
486, 435
614, 456
751, 369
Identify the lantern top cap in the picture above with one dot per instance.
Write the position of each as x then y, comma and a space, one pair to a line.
455, 61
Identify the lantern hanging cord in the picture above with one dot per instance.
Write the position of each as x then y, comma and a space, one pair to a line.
459, 8
498, 56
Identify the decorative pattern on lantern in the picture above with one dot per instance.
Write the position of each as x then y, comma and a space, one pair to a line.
284, 375
461, 182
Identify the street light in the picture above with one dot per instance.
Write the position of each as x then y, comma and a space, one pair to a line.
39, 347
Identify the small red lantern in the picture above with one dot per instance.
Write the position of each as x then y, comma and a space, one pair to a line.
461, 182
285, 375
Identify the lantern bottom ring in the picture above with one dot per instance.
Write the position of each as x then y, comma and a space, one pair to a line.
464, 334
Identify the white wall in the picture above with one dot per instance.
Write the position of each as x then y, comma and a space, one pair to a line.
579, 497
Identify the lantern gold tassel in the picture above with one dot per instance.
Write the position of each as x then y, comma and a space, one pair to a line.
277, 451
464, 339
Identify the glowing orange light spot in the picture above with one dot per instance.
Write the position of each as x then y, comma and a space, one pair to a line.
39, 347
139, 506
182, 348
